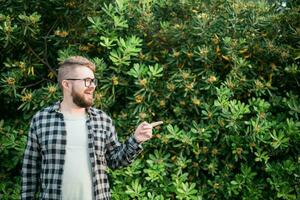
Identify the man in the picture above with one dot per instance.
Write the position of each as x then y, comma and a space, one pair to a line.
70, 144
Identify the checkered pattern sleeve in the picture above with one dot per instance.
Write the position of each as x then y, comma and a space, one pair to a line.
119, 155
31, 165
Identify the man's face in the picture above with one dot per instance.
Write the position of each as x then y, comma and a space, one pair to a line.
82, 95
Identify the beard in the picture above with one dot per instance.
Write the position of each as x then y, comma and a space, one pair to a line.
80, 100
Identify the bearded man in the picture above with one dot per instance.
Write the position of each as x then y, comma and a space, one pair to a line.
70, 144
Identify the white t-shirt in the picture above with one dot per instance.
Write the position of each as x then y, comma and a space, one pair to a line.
77, 174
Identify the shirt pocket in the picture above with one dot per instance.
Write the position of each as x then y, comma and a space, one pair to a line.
52, 150
100, 141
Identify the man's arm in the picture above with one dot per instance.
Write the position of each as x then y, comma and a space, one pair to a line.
119, 155
123, 154
31, 165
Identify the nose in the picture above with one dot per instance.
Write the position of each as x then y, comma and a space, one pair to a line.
92, 86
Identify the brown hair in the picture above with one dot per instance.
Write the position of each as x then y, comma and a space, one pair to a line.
70, 64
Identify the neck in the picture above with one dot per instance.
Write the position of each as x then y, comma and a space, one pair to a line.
68, 107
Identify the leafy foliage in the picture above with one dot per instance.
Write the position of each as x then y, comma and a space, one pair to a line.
224, 76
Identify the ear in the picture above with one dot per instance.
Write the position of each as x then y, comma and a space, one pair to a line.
65, 85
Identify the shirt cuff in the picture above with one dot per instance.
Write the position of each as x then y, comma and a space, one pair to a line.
134, 144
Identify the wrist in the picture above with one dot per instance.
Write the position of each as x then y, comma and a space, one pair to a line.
136, 139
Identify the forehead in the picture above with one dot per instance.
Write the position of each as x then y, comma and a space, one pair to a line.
83, 72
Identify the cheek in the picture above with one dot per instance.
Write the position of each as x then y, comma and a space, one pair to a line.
76, 92
78, 89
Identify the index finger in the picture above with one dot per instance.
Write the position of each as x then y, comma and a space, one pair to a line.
153, 124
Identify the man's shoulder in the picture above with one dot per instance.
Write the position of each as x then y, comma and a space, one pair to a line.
45, 111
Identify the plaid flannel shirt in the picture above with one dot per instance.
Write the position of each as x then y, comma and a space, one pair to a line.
44, 155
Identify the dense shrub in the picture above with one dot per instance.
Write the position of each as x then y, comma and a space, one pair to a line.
223, 75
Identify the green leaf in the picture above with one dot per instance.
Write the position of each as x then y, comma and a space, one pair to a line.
155, 71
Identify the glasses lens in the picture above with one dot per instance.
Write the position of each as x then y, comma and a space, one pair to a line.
95, 82
88, 82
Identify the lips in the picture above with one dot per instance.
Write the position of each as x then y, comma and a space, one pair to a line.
90, 92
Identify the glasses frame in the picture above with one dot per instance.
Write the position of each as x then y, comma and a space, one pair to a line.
92, 80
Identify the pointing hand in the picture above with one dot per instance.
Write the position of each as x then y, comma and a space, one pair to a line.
144, 131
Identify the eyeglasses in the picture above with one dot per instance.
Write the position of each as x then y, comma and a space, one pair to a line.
87, 81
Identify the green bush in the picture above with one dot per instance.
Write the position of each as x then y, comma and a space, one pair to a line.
224, 76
